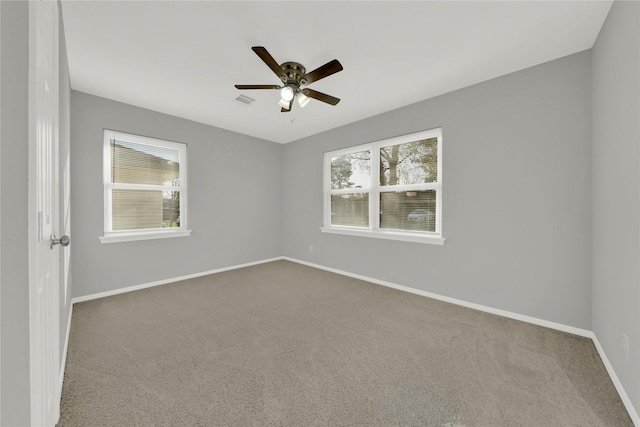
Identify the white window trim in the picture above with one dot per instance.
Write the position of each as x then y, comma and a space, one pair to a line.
111, 236
375, 189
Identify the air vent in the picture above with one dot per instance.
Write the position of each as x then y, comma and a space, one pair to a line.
245, 100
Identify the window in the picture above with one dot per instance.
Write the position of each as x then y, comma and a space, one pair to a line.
388, 189
145, 189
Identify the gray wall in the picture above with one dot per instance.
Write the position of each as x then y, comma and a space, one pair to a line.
14, 244
616, 192
516, 195
235, 199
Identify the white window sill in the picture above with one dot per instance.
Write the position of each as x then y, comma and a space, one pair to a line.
389, 235
148, 235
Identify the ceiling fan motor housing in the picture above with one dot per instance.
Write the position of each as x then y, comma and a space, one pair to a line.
294, 72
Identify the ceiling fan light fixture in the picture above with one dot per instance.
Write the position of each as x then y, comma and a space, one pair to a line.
287, 93
284, 104
303, 99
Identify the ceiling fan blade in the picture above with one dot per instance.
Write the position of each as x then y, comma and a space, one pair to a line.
285, 110
257, 87
271, 63
321, 72
320, 96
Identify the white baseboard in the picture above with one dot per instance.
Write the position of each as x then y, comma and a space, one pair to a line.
499, 312
533, 320
167, 281
616, 382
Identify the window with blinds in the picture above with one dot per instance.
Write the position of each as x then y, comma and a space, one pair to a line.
145, 186
388, 189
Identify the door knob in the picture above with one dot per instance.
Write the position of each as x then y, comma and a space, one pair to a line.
63, 240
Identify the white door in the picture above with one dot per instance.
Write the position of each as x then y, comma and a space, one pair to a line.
44, 278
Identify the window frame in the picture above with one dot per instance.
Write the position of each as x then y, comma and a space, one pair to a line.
375, 189
113, 236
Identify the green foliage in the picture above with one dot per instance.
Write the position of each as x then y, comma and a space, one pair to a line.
341, 172
410, 163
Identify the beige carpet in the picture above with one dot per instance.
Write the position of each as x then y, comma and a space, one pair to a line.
282, 344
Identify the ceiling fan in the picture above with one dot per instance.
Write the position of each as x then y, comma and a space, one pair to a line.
293, 75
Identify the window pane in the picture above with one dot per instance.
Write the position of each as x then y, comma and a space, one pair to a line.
144, 164
141, 209
410, 210
171, 209
351, 171
350, 209
411, 163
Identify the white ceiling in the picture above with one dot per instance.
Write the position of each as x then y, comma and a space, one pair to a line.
184, 57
